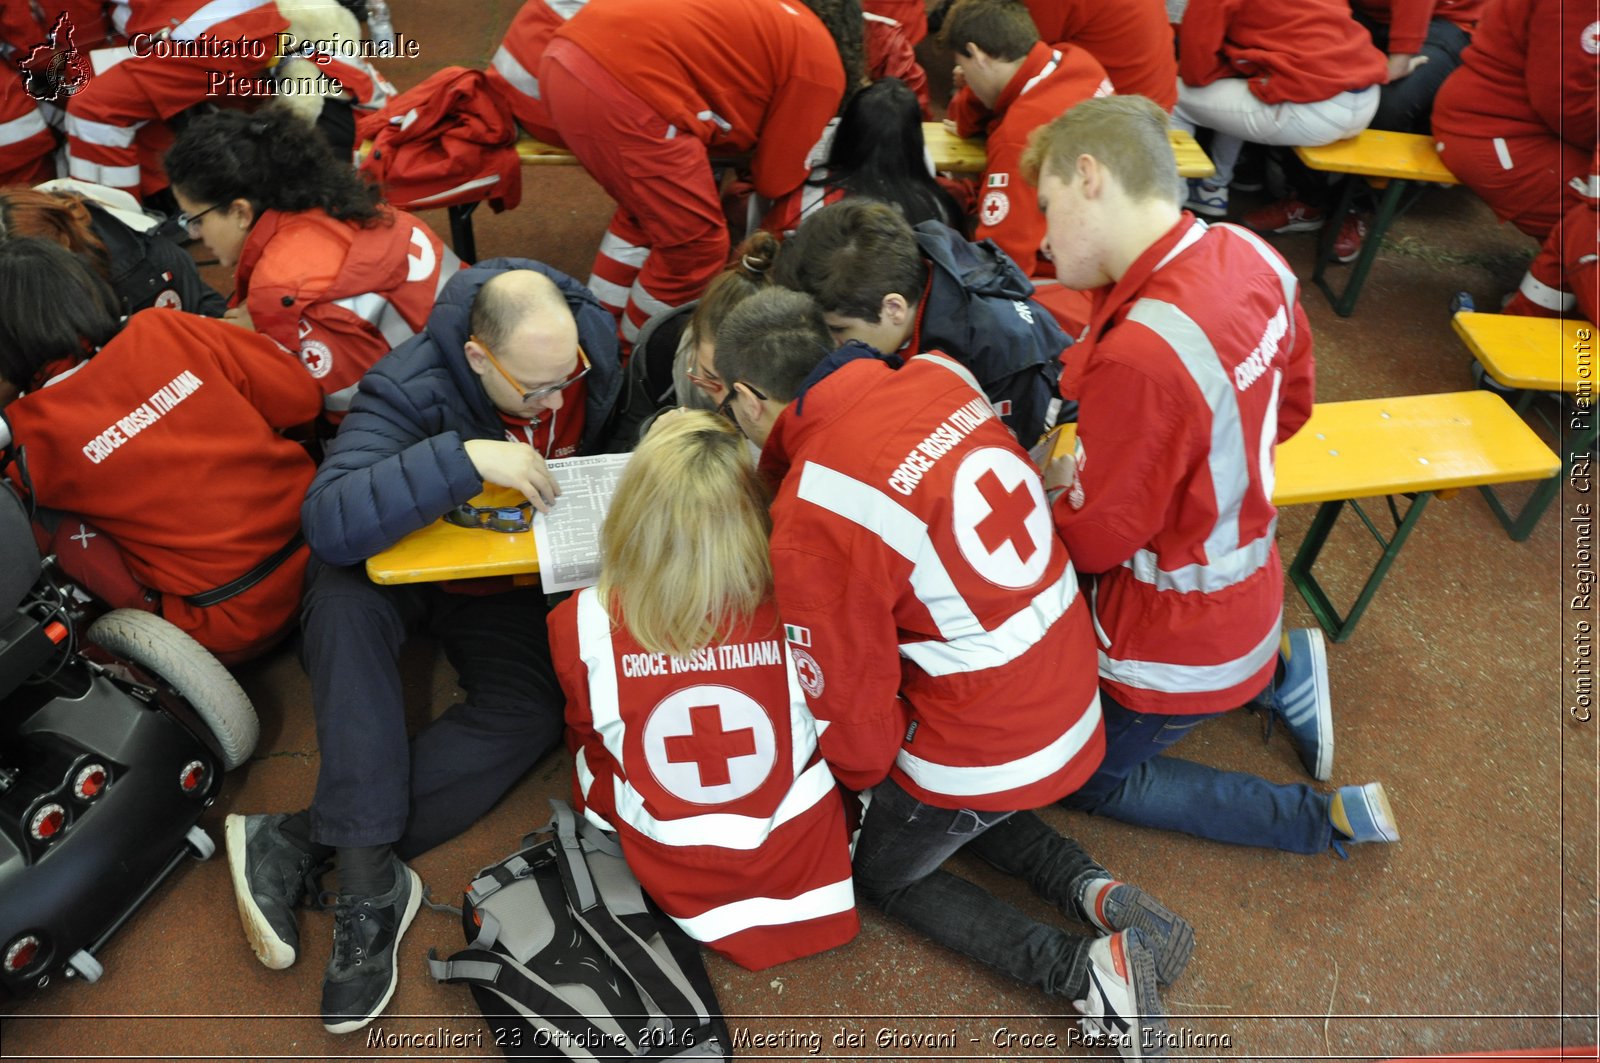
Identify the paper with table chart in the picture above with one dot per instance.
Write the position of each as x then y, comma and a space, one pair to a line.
568, 537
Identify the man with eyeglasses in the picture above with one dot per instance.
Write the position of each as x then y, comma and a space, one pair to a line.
518, 363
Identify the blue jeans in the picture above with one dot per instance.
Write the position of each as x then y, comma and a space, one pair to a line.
1136, 784
897, 867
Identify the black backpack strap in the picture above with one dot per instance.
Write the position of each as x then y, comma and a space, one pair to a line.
637, 960
481, 967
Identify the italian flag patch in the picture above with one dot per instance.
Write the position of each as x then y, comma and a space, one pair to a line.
800, 636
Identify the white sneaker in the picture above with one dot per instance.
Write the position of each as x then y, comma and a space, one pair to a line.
1121, 1004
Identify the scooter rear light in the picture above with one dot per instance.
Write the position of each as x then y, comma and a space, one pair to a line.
20, 954
89, 782
47, 822
192, 776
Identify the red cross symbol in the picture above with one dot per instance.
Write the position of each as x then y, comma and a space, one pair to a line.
708, 746
808, 673
1008, 516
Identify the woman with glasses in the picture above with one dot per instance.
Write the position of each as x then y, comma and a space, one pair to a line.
105, 227
153, 451
692, 736
320, 265
673, 363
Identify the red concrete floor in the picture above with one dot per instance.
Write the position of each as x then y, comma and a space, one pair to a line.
1477, 931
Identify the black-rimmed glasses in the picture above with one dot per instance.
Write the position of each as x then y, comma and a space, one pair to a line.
191, 222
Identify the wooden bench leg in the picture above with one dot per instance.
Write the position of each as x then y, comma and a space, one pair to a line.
1340, 628
462, 240
1344, 303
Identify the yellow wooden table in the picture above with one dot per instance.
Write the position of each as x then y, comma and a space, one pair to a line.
954, 154
443, 551
1536, 355
1396, 160
1412, 445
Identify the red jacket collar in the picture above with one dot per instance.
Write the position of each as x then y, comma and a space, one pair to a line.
1109, 299
1039, 57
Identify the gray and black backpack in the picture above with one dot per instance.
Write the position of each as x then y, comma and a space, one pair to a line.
567, 958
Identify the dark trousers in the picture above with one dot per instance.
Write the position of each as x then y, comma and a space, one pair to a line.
1406, 106
374, 787
897, 867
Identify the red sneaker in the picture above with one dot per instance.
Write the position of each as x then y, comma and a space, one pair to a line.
1347, 245
1285, 216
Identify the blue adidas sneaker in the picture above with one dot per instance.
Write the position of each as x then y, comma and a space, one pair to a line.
1301, 699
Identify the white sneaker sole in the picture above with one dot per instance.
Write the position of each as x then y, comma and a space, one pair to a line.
413, 903
269, 948
1319, 669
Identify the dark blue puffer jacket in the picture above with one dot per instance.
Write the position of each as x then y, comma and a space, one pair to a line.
981, 312
399, 461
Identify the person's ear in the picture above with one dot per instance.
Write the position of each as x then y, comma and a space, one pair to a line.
476, 360
1092, 176
242, 211
748, 404
895, 310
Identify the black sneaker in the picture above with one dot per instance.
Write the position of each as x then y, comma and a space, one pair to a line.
361, 974
270, 873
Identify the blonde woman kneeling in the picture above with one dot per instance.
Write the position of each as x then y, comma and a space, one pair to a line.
691, 731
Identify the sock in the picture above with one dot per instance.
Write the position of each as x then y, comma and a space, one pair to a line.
297, 828
366, 870
1091, 898
1341, 820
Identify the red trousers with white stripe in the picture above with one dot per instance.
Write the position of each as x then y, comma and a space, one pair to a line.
1525, 180
107, 141
1566, 272
27, 144
668, 237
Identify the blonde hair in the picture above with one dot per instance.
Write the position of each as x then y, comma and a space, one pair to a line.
684, 546
1125, 134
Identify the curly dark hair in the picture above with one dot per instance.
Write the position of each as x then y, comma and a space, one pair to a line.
845, 24
273, 158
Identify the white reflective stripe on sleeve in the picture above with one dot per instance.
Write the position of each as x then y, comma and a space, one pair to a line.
1228, 463
1541, 294
450, 193
1502, 153
803, 729
609, 294
449, 266
716, 119
1049, 68
970, 781
1226, 571
380, 313
217, 11
1587, 187
339, 401
566, 8
19, 129
901, 531
872, 16
619, 250
718, 923
585, 776
515, 73
112, 176
1192, 678
991, 649
102, 133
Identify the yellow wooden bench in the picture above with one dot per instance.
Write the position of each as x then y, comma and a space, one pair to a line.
1414, 446
950, 153
1534, 355
1394, 162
